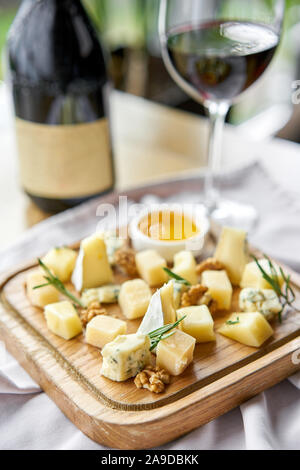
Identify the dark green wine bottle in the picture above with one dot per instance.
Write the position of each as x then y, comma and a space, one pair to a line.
60, 90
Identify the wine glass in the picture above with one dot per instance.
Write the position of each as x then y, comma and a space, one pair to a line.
215, 50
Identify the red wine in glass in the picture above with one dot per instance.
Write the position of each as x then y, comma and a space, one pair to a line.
220, 59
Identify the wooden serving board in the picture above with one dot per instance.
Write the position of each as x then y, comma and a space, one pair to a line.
223, 374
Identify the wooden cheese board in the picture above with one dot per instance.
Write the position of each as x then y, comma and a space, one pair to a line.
223, 374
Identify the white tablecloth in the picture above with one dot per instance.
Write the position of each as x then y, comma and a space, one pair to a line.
30, 420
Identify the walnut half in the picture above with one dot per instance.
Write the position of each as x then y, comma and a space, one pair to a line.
87, 314
153, 379
193, 295
211, 264
125, 258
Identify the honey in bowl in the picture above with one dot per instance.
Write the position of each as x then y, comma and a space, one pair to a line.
168, 226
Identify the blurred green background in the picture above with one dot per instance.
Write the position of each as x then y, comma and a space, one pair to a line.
129, 31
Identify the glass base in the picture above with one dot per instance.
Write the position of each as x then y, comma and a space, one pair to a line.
233, 214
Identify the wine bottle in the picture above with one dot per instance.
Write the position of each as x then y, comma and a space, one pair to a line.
57, 71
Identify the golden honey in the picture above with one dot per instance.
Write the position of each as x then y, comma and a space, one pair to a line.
168, 226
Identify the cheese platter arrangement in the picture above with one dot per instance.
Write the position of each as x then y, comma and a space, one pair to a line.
131, 335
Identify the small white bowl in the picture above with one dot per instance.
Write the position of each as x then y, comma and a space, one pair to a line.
167, 249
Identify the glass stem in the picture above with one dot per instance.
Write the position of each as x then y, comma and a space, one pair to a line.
217, 114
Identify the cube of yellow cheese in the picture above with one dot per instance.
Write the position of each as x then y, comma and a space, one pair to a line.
175, 353
219, 287
61, 261
185, 266
92, 267
125, 357
198, 323
251, 329
167, 303
134, 298
103, 329
232, 251
63, 320
150, 267
252, 276
42, 296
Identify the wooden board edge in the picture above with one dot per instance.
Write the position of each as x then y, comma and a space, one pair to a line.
126, 430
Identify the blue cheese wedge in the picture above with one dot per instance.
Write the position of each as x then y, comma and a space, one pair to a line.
264, 301
178, 289
113, 243
105, 295
92, 268
125, 357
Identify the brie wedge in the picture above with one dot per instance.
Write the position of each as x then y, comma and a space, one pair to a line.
161, 310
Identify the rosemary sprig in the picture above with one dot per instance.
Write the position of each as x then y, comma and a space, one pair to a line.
162, 333
230, 322
176, 277
286, 295
56, 282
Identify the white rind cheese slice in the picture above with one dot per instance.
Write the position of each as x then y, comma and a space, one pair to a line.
154, 317
161, 310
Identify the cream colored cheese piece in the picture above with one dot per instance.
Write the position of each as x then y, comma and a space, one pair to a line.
252, 276
125, 357
264, 301
92, 267
161, 310
167, 303
134, 298
63, 320
103, 329
185, 266
198, 323
219, 287
61, 261
232, 252
175, 353
150, 267
252, 329
42, 296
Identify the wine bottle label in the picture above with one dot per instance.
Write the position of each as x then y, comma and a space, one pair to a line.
64, 161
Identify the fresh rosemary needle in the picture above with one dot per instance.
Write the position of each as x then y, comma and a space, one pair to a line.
231, 322
56, 282
286, 295
162, 333
177, 277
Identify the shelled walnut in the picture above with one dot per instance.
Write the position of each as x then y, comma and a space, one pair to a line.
193, 295
210, 264
125, 258
153, 379
87, 314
